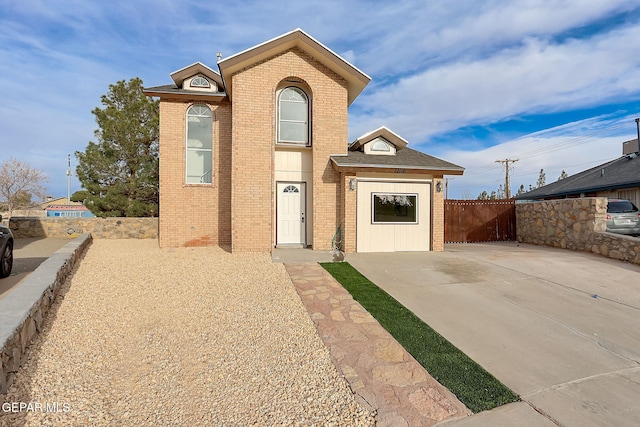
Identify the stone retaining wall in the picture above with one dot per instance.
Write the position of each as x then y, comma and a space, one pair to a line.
577, 224
22, 311
100, 228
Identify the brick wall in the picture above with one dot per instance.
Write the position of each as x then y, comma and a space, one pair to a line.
194, 215
349, 212
437, 217
254, 126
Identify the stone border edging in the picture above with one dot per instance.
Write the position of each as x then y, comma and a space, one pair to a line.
22, 311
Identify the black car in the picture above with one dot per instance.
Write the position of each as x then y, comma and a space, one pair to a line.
6, 251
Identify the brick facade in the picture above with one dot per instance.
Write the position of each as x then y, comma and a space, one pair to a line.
437, 216
254, 136
194, 215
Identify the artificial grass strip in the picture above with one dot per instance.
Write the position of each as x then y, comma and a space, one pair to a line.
474, 386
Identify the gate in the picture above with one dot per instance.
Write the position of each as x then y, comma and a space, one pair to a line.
467, 221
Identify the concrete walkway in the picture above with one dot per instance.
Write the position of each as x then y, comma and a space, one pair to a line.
382, 374
560, 328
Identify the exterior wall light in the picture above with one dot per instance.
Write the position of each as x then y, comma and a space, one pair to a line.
352, 184
439, 187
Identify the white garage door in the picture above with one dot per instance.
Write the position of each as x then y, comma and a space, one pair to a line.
393, 216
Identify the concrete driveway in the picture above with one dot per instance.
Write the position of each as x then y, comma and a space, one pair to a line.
560, 328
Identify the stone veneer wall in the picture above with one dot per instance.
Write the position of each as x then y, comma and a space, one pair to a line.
100, 228
23, 310
577, 224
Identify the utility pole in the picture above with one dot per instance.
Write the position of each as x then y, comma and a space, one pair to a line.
506, 162
68, 179
446, 188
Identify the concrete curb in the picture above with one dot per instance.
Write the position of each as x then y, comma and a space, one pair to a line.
22, 311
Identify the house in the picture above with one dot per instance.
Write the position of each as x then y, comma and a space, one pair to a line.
75, 210
619, 179
57, 201
256, 156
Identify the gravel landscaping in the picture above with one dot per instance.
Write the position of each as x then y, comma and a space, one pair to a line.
177, 337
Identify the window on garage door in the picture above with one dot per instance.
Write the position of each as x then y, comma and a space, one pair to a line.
394, 208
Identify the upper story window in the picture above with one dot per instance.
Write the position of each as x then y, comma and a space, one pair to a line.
200, 81
293, 116
199, 158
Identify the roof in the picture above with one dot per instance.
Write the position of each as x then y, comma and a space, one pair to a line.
182, 74
356, 79
403, 159
169, 90
623, 172
383, 132
66, 208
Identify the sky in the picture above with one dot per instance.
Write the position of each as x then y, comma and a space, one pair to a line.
553, 84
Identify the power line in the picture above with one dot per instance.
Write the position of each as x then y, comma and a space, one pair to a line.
584, 139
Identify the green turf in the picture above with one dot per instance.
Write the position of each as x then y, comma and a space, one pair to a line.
475, 387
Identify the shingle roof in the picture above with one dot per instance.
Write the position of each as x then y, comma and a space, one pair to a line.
403, 159
623, 172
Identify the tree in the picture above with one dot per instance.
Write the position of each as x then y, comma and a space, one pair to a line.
120, 171
80, 196
542, 178
483, 196
19, 183
563, 175
521, 190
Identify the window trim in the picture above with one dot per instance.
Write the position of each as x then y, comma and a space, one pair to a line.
307, 98
192, 149
373, 209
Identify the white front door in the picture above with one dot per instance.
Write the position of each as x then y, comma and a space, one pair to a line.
291, 213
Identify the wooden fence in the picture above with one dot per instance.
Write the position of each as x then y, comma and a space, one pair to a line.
467, 221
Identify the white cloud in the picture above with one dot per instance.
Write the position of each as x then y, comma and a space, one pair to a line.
573, 147
536, 77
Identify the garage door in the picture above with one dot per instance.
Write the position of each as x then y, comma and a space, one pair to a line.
393, 216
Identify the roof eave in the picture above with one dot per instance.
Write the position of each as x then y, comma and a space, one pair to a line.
195, 96
578, 191
443, 170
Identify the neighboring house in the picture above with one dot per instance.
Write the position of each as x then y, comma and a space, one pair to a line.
57, 201
257, 156
68, 211
619, 178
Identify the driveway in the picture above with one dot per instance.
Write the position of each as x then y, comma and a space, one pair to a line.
560, 328
28, 254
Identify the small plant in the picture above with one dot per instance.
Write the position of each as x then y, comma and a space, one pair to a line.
336, 246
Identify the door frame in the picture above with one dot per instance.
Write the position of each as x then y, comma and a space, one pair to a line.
303, 203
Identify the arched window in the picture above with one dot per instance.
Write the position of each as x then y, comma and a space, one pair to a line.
379, 144
199, 145
200, 81
293, 116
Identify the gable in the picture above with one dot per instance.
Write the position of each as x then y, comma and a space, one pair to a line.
356, 79
382, 133
184, 76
